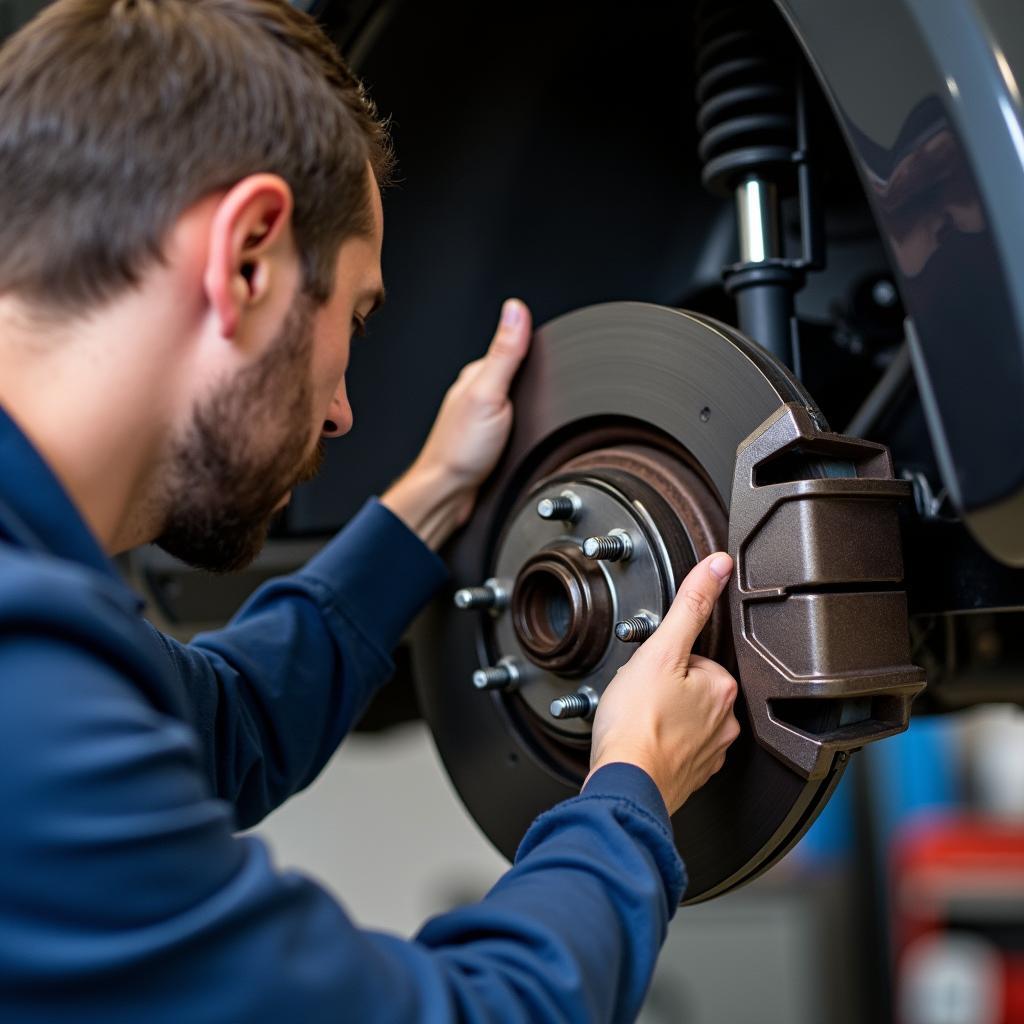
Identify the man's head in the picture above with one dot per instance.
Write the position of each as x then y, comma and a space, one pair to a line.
117, 115
249, 441
221, 148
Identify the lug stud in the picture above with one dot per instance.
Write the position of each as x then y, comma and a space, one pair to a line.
567, 506
884, 294
615, 546
637, 629
496, 677
491, 595
581, 704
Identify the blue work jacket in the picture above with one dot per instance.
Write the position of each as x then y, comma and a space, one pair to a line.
128, 761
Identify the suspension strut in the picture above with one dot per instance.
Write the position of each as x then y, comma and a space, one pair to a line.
752, 120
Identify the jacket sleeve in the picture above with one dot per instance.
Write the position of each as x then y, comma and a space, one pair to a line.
126, 896
273, 694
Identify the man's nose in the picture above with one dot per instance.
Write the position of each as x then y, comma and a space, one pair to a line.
338, 420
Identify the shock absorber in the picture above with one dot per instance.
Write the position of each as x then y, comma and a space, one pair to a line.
751, 117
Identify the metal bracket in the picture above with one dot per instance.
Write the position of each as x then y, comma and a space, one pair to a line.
819, 616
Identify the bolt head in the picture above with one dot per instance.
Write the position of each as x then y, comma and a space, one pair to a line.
884, 294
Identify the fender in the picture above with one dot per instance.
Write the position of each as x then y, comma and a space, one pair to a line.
928, 95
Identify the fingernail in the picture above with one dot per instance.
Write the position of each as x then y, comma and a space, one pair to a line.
721, 566
511, 313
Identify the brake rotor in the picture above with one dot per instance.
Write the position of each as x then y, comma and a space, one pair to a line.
628, 420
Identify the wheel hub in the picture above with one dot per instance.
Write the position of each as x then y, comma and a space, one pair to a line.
637, 411
559, 629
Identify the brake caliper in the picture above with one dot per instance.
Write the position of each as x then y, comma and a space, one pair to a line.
819, 614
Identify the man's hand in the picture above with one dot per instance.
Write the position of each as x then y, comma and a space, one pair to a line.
437, 493
669, 711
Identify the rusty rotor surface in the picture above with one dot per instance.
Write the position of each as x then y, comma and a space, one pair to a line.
639, 409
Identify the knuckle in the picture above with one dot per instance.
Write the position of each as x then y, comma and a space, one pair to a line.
693, 674
666, 661
698, 604
504, 343
730, 688
480, 395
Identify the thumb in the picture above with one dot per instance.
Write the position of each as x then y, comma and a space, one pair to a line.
693, 604
507, 350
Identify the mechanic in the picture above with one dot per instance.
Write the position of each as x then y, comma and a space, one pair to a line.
190, 231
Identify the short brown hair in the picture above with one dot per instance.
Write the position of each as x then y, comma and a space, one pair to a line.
117, 115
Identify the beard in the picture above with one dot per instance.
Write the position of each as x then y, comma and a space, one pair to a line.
244, 449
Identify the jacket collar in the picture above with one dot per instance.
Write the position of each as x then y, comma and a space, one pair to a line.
35, 510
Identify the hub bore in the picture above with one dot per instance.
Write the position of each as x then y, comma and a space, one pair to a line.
562, 610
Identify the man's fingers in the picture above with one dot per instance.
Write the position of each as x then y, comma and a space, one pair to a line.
507, 350
694, 603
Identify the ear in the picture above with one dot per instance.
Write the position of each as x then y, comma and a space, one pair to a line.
249, 226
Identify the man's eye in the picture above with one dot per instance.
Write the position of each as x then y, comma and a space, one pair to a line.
358, 327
